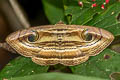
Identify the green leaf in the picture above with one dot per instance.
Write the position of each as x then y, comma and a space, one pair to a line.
80, 15
55, 76
108, 19
21, 66
101, 65
54, 10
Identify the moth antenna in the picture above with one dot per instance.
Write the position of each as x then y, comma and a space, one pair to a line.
7, 47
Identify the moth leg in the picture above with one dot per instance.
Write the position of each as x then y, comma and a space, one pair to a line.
7, 47
74, 61
45, 62
20, 13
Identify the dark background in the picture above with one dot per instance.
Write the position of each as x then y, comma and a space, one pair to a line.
9, 23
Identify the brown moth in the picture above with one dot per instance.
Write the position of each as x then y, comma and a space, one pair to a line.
64, 44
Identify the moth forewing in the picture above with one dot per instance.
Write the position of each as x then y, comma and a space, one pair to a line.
60, 43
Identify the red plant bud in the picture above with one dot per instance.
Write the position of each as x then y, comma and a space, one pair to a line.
107, 1
80, 3
94, 5
102, 6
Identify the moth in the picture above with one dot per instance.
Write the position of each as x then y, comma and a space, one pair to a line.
59, 44
56, 44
